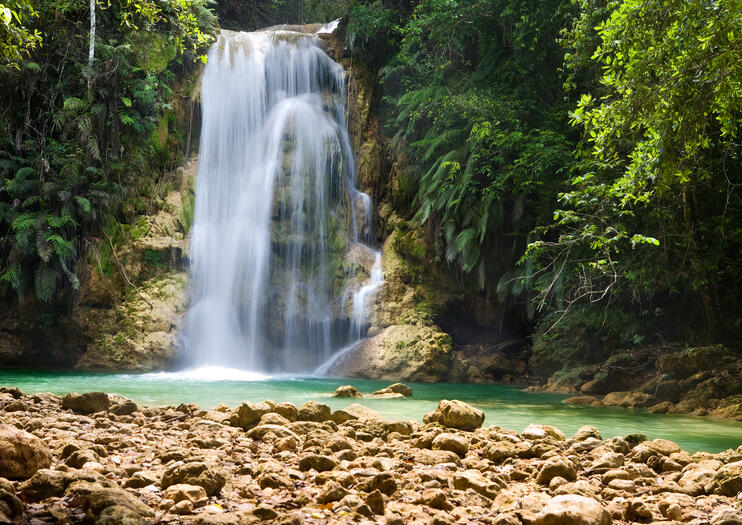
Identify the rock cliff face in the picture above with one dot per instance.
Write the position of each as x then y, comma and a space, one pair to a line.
132, 318
130, 302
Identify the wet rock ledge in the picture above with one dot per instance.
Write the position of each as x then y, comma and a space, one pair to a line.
101, 459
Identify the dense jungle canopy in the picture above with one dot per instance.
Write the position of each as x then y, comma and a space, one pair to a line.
575, 160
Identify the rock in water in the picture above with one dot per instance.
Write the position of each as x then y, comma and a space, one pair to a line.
456, 414
571, 509
87, 403
347, 391
21, 453
396, 388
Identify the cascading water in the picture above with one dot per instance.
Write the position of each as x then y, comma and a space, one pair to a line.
276, 244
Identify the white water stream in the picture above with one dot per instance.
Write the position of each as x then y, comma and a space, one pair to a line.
277, 211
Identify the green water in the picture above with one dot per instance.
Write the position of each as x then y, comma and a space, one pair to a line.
504, 406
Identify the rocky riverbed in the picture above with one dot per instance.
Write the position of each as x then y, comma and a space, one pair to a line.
97, 458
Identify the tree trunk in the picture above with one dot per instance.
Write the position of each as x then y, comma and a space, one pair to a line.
91, 50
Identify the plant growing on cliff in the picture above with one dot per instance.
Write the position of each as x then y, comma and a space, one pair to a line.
478, 110
78, 137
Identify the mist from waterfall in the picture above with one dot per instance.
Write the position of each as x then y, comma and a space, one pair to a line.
279, 245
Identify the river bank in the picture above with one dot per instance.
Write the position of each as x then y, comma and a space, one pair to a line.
102, 459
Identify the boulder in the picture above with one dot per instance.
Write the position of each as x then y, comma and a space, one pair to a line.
287, 410
452, 442
247, 415
396, 388
124, 407
44, 484
727, 516
553, 467
87, 403
410, 352
97, 501
572, 509
316, 462
727, 481
535, 431
184, 492
346, 391
355, 411
195, 473
456, 414
21, 453
313, 411
473, 479
629, 399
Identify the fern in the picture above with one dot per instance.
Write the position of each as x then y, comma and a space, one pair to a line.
45, 282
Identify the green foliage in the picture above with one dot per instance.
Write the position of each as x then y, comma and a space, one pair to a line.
477, 110
17, 39
652, 213
76, 141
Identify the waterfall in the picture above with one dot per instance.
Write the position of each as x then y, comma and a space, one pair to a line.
280, 234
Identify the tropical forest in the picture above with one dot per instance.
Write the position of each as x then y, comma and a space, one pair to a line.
347, 261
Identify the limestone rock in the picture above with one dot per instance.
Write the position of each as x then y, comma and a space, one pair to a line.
396, 388
195, 473
317, 462
535, 431
456, 414
629, 399
402, 351
452, 442
355, 411
347, 391
727, 516
184, 492
287, 410
573, 510
727, 481
553, 467
87, 403
21, 453
313, 411
44, 484
473, 479
248, 414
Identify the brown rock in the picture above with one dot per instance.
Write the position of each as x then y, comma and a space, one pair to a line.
456, 414
21, 453
347, 391
247, 415
573, 510
195, 473
313, 411
87, 403
396, 388
451, 442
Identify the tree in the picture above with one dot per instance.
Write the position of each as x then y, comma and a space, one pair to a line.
654, 210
